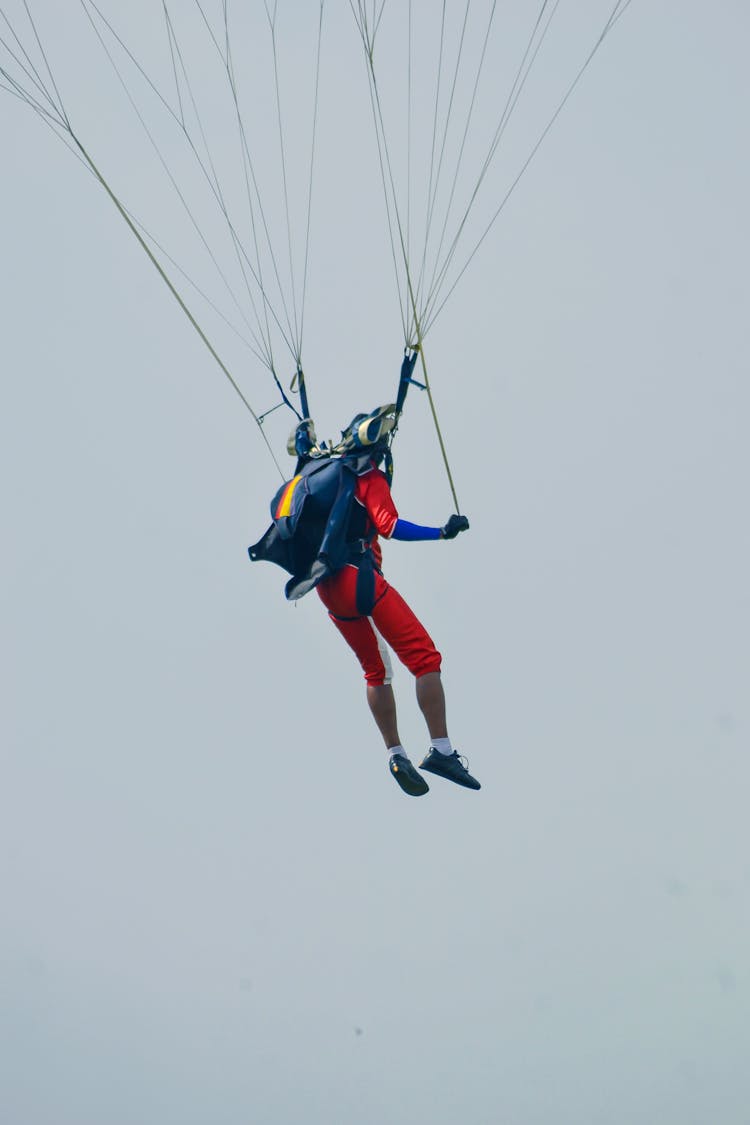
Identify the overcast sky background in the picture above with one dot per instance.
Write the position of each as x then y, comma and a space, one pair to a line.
216, 904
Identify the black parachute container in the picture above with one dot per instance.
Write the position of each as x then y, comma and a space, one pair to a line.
316, 528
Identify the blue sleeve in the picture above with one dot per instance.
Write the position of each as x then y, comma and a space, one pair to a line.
411, 532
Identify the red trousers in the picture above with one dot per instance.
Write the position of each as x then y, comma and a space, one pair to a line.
391, 617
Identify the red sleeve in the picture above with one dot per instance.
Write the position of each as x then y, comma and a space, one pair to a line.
373, 492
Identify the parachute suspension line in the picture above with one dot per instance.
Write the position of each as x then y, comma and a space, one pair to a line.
378, 18
55, 111
386, 174
524, 69
389, 187
374, 22
438, 151
157, 265
249, 174
180, 195
433, 194
617, 12
54, 115
45, 100
48, 68
36, 95
213, 178
171, 43
409, 49
186, 277
386, 163
225, 54
272, 27
50, 109
55, 118
48, 114
293, 335
618, 15
459, 158
255, 269
432, 176
210, 177
309, 197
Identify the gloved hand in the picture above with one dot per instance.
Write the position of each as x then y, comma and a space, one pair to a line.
453, 526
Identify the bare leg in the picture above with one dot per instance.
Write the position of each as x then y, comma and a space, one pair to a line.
383, 706
431, 700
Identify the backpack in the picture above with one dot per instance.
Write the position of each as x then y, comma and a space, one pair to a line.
317, 528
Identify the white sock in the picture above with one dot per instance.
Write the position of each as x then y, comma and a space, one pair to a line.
397, 750
442, 745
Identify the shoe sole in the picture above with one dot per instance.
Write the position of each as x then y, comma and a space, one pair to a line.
412, 788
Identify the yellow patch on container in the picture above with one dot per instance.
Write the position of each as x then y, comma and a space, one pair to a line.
285, 503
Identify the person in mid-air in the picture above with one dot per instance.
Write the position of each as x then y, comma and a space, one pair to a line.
362, 605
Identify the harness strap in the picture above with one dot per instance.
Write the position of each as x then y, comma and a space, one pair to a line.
361, 555
366, 583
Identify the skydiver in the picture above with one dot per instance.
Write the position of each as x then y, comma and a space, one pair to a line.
374, 513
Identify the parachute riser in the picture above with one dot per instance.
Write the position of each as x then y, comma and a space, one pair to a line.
406, 380
297, 386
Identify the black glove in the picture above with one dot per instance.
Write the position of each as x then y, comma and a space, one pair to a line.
453, 526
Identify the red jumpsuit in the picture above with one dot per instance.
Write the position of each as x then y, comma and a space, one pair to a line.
391, 616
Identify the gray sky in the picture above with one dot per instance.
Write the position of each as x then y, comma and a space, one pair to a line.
217, 906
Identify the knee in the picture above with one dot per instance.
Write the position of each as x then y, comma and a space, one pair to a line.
425, 662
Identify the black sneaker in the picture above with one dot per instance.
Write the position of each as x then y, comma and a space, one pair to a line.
410, 781
450, 767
